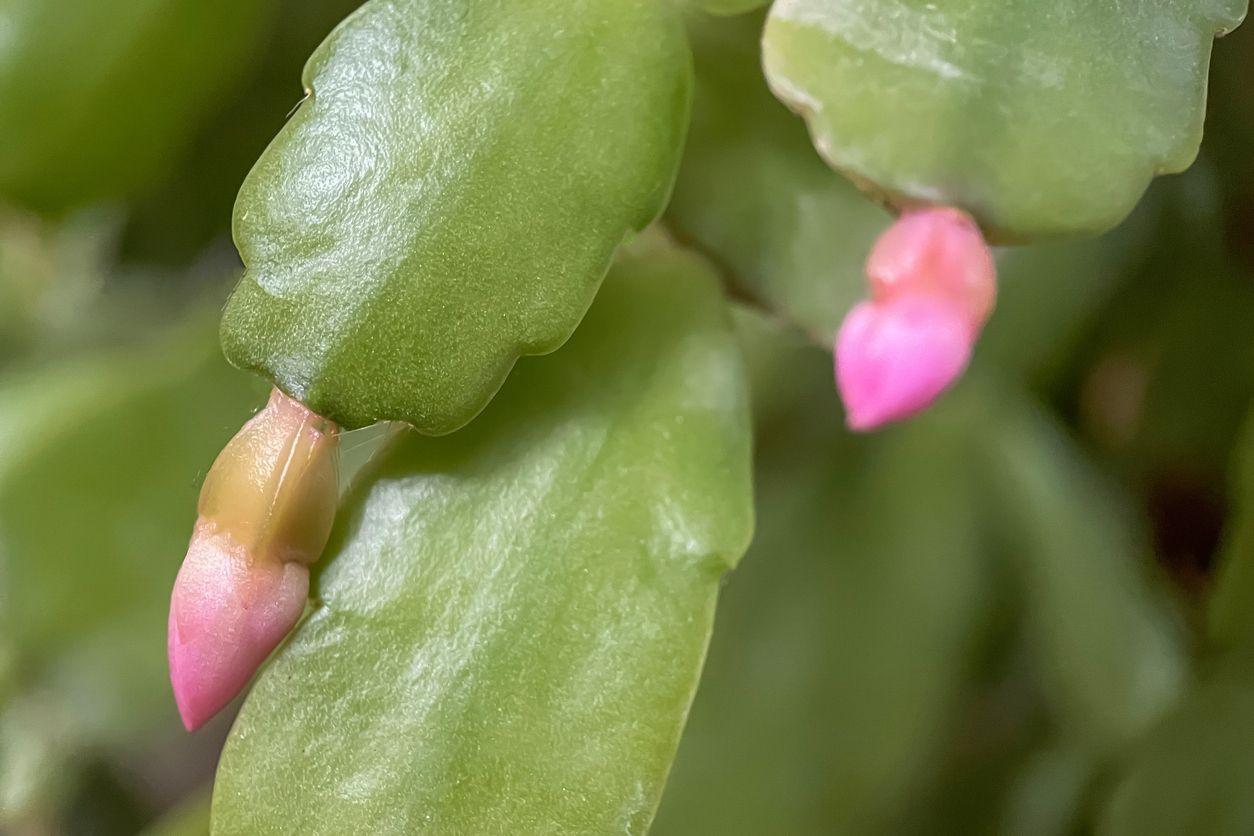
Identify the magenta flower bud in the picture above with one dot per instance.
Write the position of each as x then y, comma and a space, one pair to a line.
894, 359
266, 510
933, 286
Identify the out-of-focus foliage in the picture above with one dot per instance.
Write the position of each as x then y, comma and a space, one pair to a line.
962, 625
727, 7
1232, 604
99, 468
751, 192
803, 724
803, 721
1193, 774
1111, 656
95, 98
183, 212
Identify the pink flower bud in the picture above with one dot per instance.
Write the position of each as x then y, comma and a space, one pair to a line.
933, 285
266, 510
894, 359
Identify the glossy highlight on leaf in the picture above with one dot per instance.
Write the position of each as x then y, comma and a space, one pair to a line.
449, 197
1038, 118
512, 619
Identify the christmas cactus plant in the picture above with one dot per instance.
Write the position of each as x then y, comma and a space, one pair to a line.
551, 300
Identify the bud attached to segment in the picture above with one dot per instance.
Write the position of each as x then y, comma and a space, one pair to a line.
266, 510
933, 286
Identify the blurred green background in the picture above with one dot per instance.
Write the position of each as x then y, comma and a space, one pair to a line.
1030, 611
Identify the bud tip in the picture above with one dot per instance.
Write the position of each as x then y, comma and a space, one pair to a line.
894, 359
227, 613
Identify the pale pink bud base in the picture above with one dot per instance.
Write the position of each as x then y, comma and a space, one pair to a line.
933, 285
227, 614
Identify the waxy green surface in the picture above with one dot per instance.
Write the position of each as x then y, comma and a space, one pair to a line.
511, 620
1039, 118
449, 197
97, 97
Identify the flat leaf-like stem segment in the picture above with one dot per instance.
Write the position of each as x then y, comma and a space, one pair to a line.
513, 618
450, 196
1038, 118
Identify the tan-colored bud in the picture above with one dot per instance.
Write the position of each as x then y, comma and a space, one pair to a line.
275, 486
266, 511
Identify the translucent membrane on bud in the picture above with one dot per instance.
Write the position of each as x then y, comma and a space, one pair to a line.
266, 510
933, 286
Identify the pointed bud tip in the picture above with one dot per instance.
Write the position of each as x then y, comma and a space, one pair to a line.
227, 613
895, 359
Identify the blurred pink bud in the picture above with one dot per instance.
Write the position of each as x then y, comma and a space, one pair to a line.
936, 251
894, 358
933, 286
266, 510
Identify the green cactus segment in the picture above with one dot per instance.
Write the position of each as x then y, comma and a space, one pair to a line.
512, 619
1041, 119
449, 198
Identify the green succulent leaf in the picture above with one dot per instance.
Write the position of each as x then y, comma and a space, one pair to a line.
511, 620
95, 98
449, 198
1039, 118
